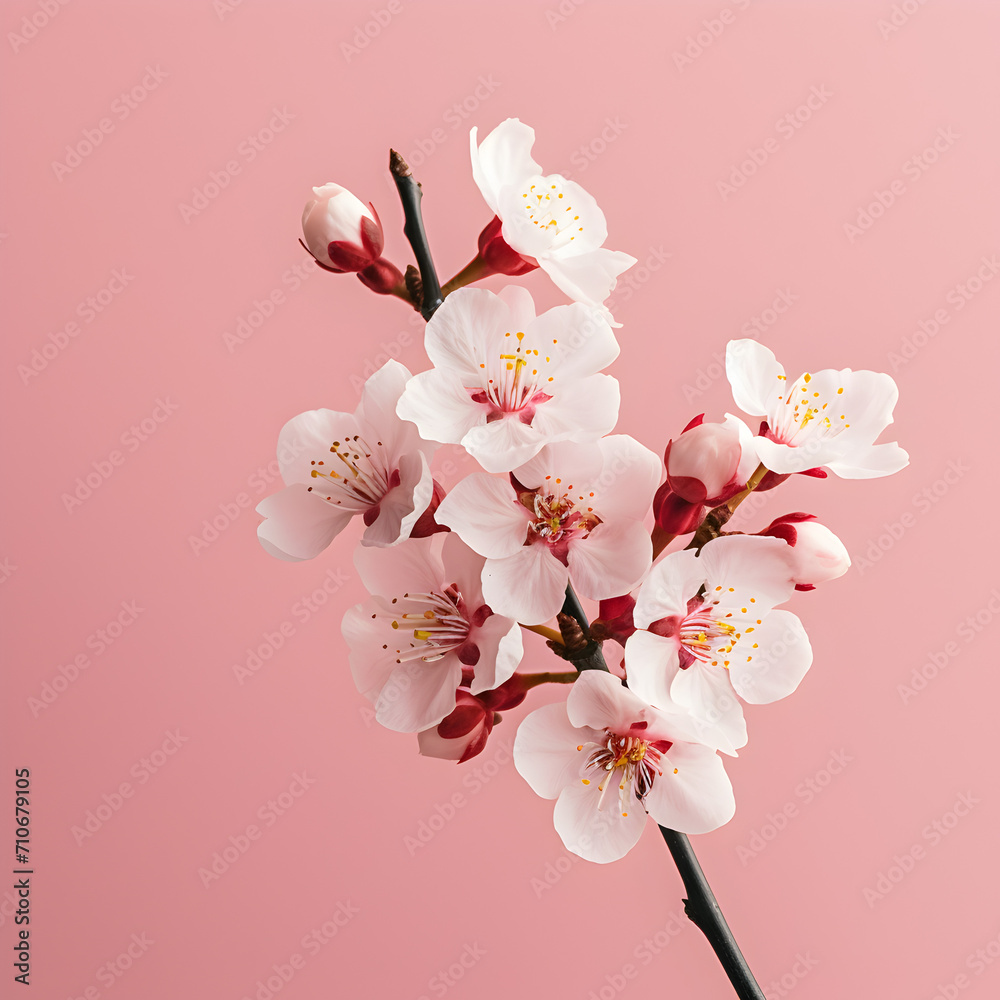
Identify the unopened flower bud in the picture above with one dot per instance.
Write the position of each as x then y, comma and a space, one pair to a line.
709, 463
460, 735
341, 232
817, 554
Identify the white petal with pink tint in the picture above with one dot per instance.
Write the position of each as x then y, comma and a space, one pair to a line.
827, 418
529, 586
775, 664
486, 514
607, 757
299, 525
370, 462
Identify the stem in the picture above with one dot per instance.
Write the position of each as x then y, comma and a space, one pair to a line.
573, 608
549, 633
533, 680
413, 228
752, 483
704, 911
476, 268
716, 518
660, 539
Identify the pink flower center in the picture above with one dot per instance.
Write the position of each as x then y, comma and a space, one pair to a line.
431, 625
559, 519
513, 381
706, 634
807, 411
355, 477
628, 761
547, 207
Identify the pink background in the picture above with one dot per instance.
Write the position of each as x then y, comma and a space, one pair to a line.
651, 140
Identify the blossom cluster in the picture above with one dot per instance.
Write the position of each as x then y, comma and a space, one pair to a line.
563, 508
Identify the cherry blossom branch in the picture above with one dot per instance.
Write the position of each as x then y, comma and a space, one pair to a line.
701, 905
410, 194
704, 911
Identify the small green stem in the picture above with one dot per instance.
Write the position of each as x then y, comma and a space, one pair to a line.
476, 268
549, 633
533, 680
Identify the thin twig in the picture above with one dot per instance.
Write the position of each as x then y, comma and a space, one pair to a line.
413, 228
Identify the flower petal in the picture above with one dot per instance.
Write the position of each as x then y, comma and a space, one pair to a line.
698, 798
545, 753
299, 524
588, 277
307, 438
486, 515
401, 507
774, 666
598, 833
629, 478
418, 694
500, 651
651, 662
529, 586
671, 583
753, 371
759, 570
413, 566
502, 158
611, 560
440, 405
707, 693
